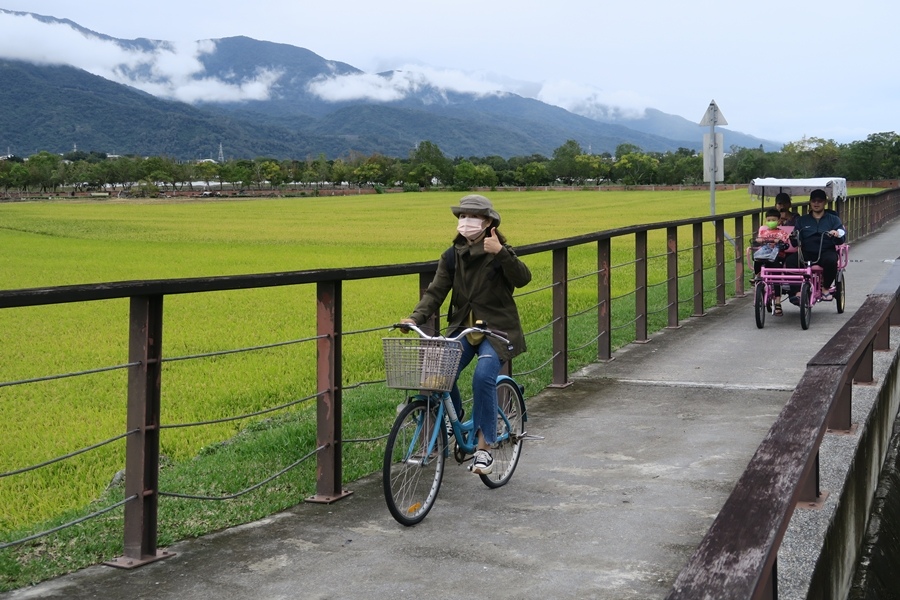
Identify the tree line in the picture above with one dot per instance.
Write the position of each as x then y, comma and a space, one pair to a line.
876, 157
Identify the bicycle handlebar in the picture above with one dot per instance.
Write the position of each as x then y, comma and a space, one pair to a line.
822, 235
496, 333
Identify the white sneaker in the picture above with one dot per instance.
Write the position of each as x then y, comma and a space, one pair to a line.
483, 463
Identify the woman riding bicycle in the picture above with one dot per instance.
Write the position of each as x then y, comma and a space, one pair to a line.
482, 271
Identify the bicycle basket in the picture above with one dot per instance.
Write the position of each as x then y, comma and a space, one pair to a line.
420, 363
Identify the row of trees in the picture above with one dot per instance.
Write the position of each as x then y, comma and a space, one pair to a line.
877, 157
426, 166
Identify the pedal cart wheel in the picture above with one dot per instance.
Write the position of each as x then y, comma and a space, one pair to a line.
805, 306
840, 289
760, 305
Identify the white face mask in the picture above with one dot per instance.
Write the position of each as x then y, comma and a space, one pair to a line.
470, 227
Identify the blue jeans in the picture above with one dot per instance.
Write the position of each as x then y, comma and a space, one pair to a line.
484, 387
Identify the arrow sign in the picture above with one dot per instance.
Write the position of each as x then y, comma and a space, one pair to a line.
713, 116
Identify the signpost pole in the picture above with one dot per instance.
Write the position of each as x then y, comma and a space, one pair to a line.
713, 154
712, 164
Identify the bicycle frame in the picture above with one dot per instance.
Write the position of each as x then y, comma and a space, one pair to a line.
786, 277
467, 444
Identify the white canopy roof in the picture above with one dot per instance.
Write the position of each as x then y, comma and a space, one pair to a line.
835, 187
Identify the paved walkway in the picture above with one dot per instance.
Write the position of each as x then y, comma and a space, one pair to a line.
639, 455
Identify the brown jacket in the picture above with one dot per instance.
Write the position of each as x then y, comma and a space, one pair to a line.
483, 284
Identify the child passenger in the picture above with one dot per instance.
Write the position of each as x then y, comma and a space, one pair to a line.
771, 234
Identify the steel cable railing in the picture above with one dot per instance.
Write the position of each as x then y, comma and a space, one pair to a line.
538, 368
69, 455
77, 521
531, 292
161, 427
67, 375
241, 350
252, 488
245, 415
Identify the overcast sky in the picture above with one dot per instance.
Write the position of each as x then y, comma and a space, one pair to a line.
779, 70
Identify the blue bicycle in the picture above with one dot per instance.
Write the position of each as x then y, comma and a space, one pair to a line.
419, 442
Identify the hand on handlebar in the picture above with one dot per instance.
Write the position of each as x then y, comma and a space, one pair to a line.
407, 325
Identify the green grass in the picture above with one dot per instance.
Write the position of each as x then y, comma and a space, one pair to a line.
61, 243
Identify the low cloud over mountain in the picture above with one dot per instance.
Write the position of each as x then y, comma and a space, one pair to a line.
292, 88
174, 70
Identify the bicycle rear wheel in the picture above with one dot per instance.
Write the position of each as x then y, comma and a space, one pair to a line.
508, 449
840, 292
412, 476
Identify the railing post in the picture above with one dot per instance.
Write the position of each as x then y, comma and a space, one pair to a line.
698, 270
142, 447
769, 589
672, 275
860, 219
604, 300
810, 495
840, 419
864, 371
560, 318
328, 405
720, 261
739, 257
640, 287
883, 335
755, 221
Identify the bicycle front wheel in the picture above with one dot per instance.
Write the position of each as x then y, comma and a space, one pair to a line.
508, 449
760, 305
412, 474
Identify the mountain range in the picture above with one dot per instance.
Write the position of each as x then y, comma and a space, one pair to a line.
305, 111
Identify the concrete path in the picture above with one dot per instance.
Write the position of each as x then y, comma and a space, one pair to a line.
639, 455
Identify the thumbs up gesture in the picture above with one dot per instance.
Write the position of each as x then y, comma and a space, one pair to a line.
492, 245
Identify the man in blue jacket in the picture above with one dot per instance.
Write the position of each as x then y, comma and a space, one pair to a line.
814, 228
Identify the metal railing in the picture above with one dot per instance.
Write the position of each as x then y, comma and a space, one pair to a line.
682, 290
